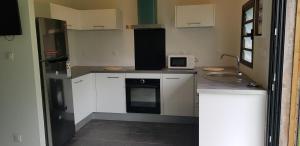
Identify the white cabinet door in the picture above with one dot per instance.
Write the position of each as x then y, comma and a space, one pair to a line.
195, 16
178, 94
71, 16
84, 96
234, 119
111, 96
100, 19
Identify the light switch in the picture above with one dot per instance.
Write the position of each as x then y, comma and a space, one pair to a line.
17, 138
11, 56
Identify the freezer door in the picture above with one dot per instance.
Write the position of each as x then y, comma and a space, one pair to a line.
60, 110
58, 103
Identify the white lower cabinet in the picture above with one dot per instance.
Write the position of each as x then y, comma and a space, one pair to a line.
234, 118
84, 96
111, 97
106, 92
178, 94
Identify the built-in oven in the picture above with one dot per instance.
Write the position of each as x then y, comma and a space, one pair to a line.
143, 96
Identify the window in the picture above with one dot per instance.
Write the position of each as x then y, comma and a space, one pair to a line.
247, 33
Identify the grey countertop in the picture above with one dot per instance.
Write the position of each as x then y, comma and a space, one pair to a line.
205, 84
202, 82
82, 70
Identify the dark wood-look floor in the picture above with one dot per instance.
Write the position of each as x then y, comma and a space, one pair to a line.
120, 133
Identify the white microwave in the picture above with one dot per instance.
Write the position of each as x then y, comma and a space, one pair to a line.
181, 62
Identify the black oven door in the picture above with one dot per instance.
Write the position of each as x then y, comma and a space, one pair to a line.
143, 96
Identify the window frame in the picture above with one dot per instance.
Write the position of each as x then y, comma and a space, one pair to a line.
250, 4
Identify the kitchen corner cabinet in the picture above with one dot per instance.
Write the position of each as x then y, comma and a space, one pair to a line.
71, 16
178, 94
111, 97
188, 16
84, 96
235, 118
101, 19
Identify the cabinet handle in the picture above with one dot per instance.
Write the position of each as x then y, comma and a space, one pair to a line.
172, 78
78, 82
69, 25
113, 77
99, 26
194, 23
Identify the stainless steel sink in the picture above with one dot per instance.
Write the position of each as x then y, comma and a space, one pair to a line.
226, 77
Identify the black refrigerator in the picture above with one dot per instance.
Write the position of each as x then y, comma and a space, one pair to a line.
55, 81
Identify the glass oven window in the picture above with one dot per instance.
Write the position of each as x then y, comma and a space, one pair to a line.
178, 61
143, 97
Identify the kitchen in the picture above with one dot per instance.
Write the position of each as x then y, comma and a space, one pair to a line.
112, 76
201, 83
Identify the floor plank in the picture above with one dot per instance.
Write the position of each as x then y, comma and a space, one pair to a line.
122, 133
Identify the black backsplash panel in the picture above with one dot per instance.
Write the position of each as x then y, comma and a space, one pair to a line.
150, 49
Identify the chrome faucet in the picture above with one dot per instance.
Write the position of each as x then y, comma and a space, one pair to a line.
238, 73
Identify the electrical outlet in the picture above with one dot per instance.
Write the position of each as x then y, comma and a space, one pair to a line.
17, 138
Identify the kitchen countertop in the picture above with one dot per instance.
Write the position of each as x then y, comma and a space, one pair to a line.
203, 84
82, 70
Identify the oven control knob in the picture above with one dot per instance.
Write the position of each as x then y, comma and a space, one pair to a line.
143, 81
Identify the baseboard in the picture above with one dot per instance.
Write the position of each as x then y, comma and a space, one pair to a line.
83, 122
145, 118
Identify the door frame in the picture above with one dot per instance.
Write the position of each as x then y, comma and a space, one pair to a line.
294, 104
275, 72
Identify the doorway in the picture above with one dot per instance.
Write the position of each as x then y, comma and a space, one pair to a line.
275, 72
284, 75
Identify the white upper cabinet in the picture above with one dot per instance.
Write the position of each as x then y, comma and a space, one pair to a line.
71, 16
195, 16
102, 19
178, 94
111, 97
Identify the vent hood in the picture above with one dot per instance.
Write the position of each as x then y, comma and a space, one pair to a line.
147, 14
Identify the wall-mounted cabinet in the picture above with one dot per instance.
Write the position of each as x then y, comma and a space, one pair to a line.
188, 16
102, 19
71, 16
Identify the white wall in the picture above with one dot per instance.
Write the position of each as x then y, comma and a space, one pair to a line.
115, 48
96, 48
20, 93
260, 70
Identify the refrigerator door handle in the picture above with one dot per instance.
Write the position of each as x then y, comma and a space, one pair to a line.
55, 60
